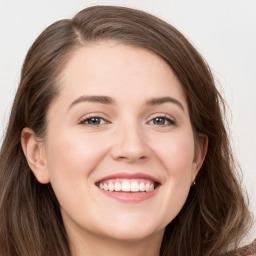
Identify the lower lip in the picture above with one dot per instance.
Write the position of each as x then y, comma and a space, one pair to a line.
130, 197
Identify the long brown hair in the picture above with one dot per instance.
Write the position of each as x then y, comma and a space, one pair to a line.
215, 215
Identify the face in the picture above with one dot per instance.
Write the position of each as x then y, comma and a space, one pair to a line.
119, 150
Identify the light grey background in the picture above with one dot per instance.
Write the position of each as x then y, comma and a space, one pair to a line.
224, 31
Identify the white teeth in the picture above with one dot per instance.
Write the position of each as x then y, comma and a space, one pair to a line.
118, 186
111, 187
142, 186
127, 186
105, 187
135, 186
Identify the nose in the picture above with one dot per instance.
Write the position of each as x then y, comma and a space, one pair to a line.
130, 144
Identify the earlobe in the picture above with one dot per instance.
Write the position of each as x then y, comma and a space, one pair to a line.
201, 146
34, 152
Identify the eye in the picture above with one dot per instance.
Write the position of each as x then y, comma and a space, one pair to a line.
93, 121
162, 120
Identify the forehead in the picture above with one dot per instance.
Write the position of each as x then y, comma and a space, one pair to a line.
119, 70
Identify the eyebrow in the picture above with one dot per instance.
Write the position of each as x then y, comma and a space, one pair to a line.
97, 99
162, 100
110, 101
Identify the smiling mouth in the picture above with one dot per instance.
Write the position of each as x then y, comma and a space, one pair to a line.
127, 185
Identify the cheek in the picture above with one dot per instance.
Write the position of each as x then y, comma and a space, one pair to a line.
71, 159
176, 155
178, 159
76, 152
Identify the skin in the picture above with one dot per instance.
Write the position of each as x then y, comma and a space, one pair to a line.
76, 153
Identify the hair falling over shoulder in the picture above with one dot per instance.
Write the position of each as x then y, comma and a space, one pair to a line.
215, 216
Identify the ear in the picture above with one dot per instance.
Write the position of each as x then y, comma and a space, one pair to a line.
201, 146
34, 152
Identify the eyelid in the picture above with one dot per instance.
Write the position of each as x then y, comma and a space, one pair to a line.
102, 116
93, 115
163, 115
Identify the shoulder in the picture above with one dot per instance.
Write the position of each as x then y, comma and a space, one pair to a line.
248, 250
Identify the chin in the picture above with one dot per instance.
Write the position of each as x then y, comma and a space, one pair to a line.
134, 234
133, 230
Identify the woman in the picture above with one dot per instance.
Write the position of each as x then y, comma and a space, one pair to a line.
116, 145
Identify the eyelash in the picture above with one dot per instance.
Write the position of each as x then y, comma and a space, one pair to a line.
169, 120
99, 119
90, 118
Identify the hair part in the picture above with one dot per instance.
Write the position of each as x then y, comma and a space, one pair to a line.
30, 220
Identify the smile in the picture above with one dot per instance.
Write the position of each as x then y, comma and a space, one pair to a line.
128, 187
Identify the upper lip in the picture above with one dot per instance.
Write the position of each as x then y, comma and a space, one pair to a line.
129, 175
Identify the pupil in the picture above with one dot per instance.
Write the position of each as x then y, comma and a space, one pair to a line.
159, 120
94, 121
